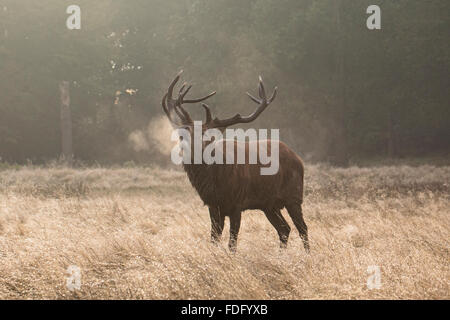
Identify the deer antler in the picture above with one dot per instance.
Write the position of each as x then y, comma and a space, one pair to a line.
263, 103
170, 104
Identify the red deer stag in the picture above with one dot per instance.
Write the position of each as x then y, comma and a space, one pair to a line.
229, 189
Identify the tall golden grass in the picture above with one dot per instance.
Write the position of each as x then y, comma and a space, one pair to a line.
143, 233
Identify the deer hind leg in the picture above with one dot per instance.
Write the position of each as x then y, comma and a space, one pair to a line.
296, 214
235, 224
280, 224
217, 222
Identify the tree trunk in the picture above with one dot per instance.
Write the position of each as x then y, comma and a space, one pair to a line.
66, 123
338, 139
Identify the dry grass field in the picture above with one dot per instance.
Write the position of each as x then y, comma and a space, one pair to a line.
143, 233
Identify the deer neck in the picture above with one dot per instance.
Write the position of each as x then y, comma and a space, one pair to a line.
202, 179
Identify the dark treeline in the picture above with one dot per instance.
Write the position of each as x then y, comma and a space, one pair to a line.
345, 92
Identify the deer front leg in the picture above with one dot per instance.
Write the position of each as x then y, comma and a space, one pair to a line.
217, 222
235, 224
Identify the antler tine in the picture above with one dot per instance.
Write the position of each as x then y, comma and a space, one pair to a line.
183, 94
179, 112
274, 94
262, 91
208, 113
200, 99
172, 85
168, 112
184, 113
182, 87
253, 98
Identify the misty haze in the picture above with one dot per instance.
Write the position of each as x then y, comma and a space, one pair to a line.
93, 207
